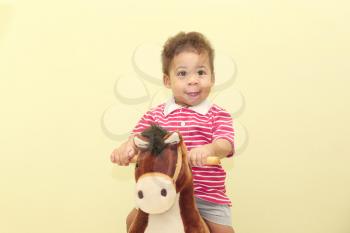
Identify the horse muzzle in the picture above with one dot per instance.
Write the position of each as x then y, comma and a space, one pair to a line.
155, 193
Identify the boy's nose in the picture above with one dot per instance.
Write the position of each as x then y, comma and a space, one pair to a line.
193, 79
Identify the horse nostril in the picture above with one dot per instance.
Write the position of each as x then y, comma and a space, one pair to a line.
140, 194
163, 192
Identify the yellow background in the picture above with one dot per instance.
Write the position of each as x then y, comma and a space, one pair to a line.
59, 61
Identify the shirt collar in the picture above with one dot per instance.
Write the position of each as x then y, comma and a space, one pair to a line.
201, 108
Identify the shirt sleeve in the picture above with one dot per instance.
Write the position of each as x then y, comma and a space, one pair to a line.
223, 128
146, 120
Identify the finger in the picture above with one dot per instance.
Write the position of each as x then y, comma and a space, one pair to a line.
131, 153
113, 155
117, 158
125, 158
204, 159
199, 158
128, 158
194, 158
190, 157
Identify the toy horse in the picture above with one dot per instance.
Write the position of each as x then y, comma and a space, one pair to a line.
164, 186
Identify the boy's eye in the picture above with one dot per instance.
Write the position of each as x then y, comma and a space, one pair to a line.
201, 72
181, 73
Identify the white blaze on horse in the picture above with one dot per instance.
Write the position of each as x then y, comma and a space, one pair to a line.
164, 186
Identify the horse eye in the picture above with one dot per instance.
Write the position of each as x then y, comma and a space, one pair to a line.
136, 165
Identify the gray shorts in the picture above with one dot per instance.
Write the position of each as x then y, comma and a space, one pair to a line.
216, 213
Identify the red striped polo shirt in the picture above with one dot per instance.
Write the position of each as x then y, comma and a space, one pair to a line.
198, 125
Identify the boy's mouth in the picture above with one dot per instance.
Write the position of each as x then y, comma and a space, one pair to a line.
193, 93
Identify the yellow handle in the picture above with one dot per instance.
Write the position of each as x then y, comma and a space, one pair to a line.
211, 160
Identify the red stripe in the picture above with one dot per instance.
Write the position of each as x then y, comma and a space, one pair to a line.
200, 178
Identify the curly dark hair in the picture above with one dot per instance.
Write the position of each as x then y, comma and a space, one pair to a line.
186, 42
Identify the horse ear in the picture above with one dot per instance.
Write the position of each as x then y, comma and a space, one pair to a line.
140, 143
174, 138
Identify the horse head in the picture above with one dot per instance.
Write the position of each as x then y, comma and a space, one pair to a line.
161, 169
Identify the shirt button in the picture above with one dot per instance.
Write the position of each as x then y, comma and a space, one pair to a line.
183, 123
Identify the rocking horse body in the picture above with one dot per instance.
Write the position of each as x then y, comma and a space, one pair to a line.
164, 187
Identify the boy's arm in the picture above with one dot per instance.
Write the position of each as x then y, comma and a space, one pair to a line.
223, 134
221, 148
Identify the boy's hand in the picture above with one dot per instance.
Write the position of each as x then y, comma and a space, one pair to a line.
124, 153
198, 156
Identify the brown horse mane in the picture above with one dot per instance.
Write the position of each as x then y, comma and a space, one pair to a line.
155, 135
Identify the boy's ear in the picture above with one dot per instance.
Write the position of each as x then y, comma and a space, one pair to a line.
166, 80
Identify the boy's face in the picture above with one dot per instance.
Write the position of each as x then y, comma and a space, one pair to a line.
190, 78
